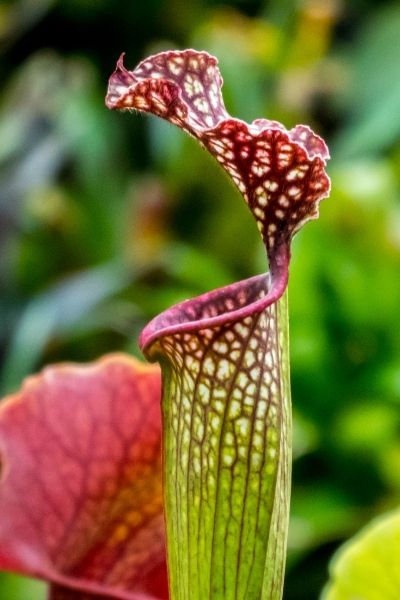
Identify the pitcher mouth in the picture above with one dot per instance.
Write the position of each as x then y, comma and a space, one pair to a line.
217, 308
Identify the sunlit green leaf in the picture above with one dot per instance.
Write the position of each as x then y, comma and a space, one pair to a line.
367, 567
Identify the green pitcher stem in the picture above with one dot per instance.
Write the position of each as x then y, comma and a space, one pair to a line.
227, 458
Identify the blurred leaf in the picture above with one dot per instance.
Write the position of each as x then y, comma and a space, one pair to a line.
319, 513
19, 16
56, 311
367, 428
15, 587
305, 435
373, 92
367, 567
192, 267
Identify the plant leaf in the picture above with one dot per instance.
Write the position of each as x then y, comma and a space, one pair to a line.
81, 480
367, 567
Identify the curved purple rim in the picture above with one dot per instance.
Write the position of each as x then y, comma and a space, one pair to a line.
276, 285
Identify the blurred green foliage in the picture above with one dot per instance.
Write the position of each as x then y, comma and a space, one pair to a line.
107, 219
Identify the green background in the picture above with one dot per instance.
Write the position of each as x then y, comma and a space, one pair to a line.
107, 219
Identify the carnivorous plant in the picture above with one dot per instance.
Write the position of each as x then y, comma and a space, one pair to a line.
226, 414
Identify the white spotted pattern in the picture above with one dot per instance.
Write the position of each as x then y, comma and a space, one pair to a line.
287, 166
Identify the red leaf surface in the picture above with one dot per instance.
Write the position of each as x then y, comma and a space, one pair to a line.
81, 491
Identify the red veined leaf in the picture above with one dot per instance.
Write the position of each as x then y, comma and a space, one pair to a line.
81, 492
